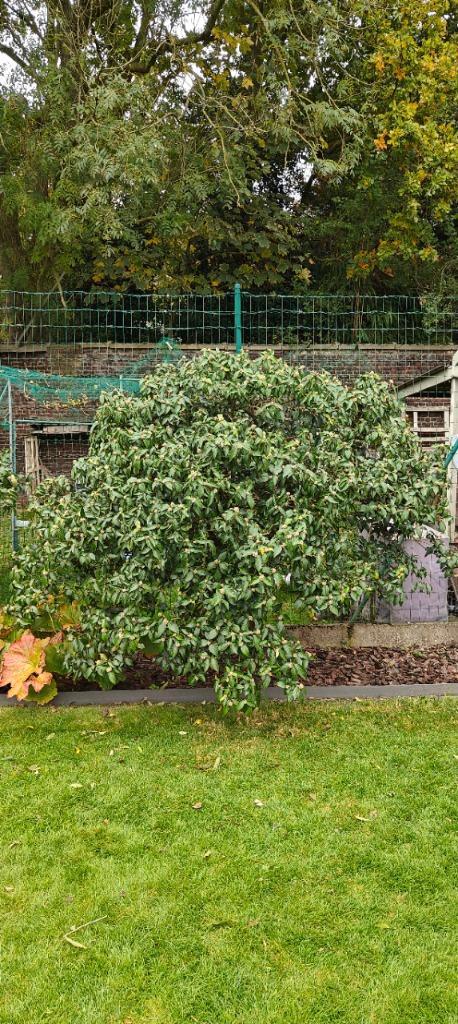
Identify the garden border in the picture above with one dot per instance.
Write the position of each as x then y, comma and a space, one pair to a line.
206, 695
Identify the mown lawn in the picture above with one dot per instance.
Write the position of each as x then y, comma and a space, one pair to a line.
316, 883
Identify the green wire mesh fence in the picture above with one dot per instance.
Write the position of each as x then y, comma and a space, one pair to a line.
107, 318
72, 319
315, 320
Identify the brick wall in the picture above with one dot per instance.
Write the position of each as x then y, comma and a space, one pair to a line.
57, 452
398, 364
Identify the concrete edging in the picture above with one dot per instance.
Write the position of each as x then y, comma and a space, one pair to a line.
206, 695
368, 634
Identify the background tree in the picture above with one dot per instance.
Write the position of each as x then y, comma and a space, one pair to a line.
390, 224
147, 144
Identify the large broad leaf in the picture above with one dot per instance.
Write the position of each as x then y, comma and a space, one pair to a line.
6, 625
23, 668
47, 692
69, 616
151, 648
54, 657
53, 616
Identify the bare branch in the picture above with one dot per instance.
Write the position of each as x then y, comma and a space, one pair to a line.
28, 19
9, 52
172, 42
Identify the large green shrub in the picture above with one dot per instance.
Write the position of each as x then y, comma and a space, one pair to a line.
198, 499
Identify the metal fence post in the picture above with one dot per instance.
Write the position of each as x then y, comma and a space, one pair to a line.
12, 448
238, 318
451, 470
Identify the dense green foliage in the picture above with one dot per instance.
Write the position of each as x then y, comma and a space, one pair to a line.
200, 497
158, 145
393, 221
9, 485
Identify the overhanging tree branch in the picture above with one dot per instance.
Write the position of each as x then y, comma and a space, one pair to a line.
9, 52
172, 42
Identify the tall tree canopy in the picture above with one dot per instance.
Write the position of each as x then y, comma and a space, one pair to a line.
164, 144
392, 220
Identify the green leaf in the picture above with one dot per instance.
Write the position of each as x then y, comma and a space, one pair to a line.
45, 695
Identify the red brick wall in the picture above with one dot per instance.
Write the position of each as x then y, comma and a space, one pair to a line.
399, 363
395, 363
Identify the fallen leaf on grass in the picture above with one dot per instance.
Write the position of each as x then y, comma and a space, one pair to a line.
76, 785
9, 888
359, 817
258, 803
197, 806
253, 922
207, 854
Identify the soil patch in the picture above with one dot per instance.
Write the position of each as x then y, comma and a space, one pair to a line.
363, 666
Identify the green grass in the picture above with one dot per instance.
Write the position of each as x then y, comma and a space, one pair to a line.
334, 901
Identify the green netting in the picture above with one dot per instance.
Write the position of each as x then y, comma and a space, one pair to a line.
4, 418
68, 389
46, 387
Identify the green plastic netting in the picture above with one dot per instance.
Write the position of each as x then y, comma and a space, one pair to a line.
49, 387
46, 387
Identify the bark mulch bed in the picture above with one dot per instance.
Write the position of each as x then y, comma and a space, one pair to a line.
381, 666
376, 666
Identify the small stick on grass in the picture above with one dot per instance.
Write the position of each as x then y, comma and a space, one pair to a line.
77, 928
